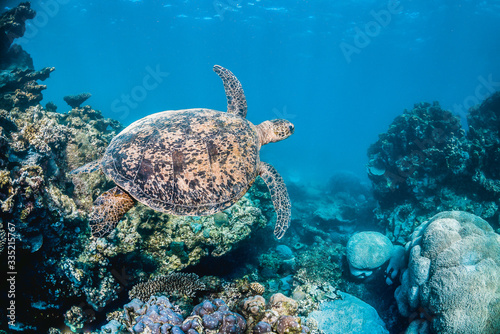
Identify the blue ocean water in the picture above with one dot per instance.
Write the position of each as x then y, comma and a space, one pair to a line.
340, 70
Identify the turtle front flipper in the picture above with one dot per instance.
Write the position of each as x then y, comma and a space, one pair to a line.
88, 168
236, 100
107, 211
279, 196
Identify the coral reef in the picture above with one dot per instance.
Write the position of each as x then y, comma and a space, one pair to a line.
320, 262
452, 276
77, 277
426, 163
484, 152
49, 207
172, 284
75, 101
20, 89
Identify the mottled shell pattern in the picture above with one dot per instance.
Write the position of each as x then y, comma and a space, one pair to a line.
185, 162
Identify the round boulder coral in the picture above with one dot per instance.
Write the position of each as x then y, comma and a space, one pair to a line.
367, 251
453, 275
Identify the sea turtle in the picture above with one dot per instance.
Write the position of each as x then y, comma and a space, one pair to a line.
193, 162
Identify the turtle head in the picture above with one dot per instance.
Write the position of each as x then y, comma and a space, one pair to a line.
275, 130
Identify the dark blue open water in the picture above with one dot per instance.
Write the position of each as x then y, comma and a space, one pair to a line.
340, 70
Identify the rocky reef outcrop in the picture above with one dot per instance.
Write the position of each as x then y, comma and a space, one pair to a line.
426, 163
452, 281
12, 26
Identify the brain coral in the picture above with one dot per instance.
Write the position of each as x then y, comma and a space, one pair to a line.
453, 276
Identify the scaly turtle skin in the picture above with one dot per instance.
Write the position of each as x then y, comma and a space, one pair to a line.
190, 162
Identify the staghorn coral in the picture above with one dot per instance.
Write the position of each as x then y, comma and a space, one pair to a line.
179, 284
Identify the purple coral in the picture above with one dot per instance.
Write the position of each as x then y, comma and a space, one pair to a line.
155, 316
261, 328
217, 316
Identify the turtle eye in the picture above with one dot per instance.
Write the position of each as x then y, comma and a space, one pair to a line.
291, 128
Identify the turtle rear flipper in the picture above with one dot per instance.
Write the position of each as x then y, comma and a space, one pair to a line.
107, 211
236, 100
88, 168
279, 196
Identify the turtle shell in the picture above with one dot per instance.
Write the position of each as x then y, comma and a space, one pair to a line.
185, 162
